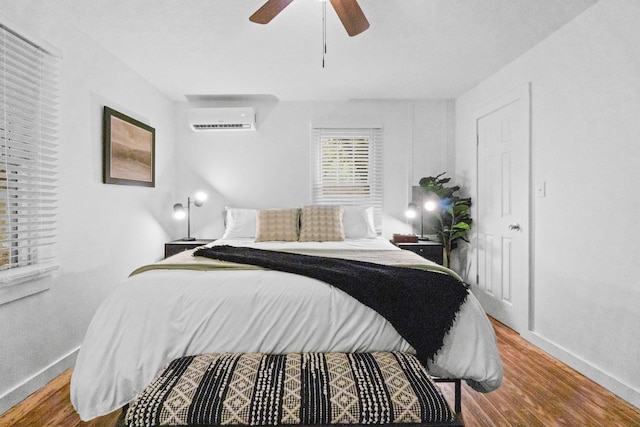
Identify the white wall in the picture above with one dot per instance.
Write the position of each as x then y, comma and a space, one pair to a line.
270, 167
585, 82
105, 231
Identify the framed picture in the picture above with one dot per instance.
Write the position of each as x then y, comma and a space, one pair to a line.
129, 150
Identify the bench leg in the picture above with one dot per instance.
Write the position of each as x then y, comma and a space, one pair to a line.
457, 404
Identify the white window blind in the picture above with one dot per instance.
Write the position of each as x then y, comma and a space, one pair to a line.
347, 168
28, 156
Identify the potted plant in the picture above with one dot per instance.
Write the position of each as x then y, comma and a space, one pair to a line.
452, 213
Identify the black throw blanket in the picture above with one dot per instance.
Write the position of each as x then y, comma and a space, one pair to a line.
421, 305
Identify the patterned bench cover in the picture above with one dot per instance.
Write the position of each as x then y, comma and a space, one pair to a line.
259, 389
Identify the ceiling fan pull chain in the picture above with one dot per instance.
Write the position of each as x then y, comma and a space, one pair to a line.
324, 31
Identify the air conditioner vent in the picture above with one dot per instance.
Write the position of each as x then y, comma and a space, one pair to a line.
221, 126
212, 119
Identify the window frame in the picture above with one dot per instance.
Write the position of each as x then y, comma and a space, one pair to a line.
28, 163
361, 145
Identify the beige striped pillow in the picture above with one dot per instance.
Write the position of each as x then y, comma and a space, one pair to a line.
277, 225
321, 224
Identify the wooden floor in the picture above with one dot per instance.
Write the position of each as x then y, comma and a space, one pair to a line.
537, 390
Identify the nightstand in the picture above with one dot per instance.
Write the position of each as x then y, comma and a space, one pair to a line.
178, 246
425, 248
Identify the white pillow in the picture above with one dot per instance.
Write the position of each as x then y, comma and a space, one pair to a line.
241, 223
358, 223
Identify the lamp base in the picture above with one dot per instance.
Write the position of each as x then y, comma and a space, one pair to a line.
188, 239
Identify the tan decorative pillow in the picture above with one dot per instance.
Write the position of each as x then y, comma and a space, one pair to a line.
277, 225
321, 224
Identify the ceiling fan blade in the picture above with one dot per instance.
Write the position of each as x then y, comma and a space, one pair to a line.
351, 16
268, 11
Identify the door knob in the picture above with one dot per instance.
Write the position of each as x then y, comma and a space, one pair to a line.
514, 227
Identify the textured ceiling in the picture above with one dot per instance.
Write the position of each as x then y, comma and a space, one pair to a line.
414, 49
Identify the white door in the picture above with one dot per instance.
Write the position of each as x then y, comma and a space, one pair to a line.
502, 209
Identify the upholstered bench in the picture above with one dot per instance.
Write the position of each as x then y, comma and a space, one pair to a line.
302, 389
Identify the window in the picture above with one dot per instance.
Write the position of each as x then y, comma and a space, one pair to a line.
28, 120
347, 168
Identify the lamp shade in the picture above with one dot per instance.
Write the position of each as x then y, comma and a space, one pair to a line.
412, 211
178, 211
199, 198
431, 205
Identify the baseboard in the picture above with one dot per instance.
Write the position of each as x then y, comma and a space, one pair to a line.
37, 381
40, 379
604, 379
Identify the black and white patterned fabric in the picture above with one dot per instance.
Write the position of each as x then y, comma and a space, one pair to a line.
259, 389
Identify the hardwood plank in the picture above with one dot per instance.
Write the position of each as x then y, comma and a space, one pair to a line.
51, 406
537, 390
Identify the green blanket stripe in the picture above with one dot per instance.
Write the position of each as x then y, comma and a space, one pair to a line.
193, 266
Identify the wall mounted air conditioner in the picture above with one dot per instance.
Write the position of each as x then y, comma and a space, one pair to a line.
228, 118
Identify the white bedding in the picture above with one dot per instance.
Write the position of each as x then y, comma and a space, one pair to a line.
159, 315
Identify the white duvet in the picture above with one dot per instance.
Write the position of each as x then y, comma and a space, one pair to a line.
159, 315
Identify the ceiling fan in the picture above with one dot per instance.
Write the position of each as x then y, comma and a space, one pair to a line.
348, 11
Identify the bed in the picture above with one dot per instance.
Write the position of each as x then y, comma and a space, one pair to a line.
184, 307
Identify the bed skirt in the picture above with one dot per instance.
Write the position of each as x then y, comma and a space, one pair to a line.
297, 389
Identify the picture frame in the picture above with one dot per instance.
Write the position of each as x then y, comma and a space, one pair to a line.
129, 150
